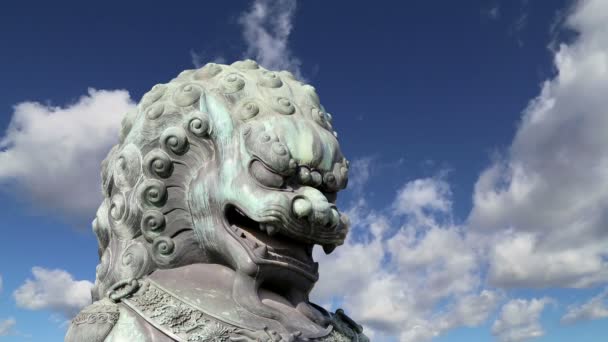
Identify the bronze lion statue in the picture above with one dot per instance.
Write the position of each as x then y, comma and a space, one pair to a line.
223, 181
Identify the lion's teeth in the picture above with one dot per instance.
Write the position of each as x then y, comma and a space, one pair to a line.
329, 248
271, 230
261, 251
240, 212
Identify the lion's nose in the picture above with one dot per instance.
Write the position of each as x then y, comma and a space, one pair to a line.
319, 213
302, 207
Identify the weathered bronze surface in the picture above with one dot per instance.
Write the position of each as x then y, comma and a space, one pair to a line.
223, 181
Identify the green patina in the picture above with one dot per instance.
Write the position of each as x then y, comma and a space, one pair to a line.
209, 169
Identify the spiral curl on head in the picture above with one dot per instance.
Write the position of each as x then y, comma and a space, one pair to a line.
247, 64
283, 105
232, 83
320, 117
206, 72
163, 128
270, 79
158, 163
248, 110
118, 207
163, 245
127, 167
187, 95
153, 95
152, 224
136, 259
152, 193
155, 111
199, 125
174, 139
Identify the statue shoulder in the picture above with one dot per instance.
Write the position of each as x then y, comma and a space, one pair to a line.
94, 322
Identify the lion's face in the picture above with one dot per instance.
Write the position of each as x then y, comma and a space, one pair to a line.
273, 187
232, 165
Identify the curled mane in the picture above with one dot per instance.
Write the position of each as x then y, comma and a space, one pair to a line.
144, 222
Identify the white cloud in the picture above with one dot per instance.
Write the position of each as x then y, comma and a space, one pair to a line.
545, 206
410, 262
519, 260
538, 219
468, 311
199, 59
595, 308
6, 326
471, 310
519, 320
359, 173
493, 12
266, 29
54, 290
423, 196
440, 258
53, 154
367, 256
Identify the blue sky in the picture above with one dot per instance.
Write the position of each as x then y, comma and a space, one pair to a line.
476, 132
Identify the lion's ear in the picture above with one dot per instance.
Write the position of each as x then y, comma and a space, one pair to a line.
219, 116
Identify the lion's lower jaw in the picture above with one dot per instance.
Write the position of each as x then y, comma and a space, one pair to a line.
295, 314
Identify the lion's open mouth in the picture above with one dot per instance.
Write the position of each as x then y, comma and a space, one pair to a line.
266, 242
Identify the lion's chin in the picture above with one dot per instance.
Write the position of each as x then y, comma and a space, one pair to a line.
266, 245
245, 301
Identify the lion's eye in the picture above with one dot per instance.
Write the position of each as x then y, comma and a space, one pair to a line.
266, 177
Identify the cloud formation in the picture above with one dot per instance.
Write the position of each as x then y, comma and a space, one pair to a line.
538, 217
358, 174
199, 59
595, 308
6, 326
52, 154
54, 290
493, 12
410, 260
547, 200
519, 320
266, 29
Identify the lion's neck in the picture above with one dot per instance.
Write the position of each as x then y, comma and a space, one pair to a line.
209, 288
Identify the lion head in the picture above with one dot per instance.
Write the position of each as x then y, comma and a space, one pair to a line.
227, 164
